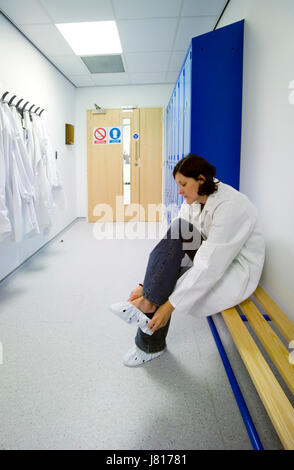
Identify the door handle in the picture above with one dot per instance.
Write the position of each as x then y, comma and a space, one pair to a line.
136, 153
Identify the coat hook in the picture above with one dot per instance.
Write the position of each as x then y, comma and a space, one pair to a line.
25, 106
18, 103
4, 95
10, 101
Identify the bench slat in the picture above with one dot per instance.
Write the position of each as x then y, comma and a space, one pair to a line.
276, 350
275, 401
281, 320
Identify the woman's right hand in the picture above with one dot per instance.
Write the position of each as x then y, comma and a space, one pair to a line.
138, 292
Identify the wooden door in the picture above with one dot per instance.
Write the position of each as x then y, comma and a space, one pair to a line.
124, 175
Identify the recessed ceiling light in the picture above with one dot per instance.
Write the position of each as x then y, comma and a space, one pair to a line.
95, 37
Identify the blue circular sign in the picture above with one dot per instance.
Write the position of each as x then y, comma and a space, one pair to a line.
135, 136
115, 133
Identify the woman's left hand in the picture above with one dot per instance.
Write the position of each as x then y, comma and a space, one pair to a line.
161, 316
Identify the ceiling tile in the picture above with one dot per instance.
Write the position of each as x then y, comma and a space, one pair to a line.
67, 11
147, 35
81, 80
171, 77
191, 27
176, 60
28, 12
129, 9
140, 78
109, 79
71, 65
48, 39
203, 7
147, 61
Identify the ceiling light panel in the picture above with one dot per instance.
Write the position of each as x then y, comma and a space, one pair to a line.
92, 38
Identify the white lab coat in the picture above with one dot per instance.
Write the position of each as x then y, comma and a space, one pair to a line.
29, 138
228, 265
57, 190
30, 186
44, 199
5, 224
20, 178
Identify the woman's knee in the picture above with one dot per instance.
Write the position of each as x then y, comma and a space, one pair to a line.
175, 229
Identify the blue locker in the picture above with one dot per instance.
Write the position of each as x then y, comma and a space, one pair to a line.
181, 113
206, 105
187, 105
216, 110
177, 123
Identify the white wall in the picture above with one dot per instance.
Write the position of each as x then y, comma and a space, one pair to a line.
144, 96
267, 162
26, 73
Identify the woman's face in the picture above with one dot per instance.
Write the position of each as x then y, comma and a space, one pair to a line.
188, 187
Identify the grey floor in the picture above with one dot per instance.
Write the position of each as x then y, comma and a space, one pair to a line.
63, 384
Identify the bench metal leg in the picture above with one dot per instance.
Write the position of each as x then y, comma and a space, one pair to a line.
251, 430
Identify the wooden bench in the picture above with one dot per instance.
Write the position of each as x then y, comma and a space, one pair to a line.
277, 405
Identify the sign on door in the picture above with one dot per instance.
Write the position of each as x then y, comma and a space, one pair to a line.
114, 135
99, 135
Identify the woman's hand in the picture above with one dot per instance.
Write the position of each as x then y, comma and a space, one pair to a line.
136, 293
161, 316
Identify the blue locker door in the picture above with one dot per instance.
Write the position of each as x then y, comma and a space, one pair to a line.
187, 102
181, 114
177, 118
174, 125
168, 151
217, 60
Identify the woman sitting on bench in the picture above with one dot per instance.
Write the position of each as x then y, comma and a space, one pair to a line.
218, 228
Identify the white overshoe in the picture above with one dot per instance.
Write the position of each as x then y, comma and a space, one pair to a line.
136, 357
131, 314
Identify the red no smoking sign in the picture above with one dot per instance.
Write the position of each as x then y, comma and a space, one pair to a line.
99, 135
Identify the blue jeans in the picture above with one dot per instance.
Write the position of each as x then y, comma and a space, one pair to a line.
163, 271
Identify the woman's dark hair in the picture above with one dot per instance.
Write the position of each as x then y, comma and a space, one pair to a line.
192, 166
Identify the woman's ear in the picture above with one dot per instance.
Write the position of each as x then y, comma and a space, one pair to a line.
201, 178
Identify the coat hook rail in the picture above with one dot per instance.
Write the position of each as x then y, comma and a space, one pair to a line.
9, 100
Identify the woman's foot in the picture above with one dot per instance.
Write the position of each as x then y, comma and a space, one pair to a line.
144, 305
131, 314
136, 357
